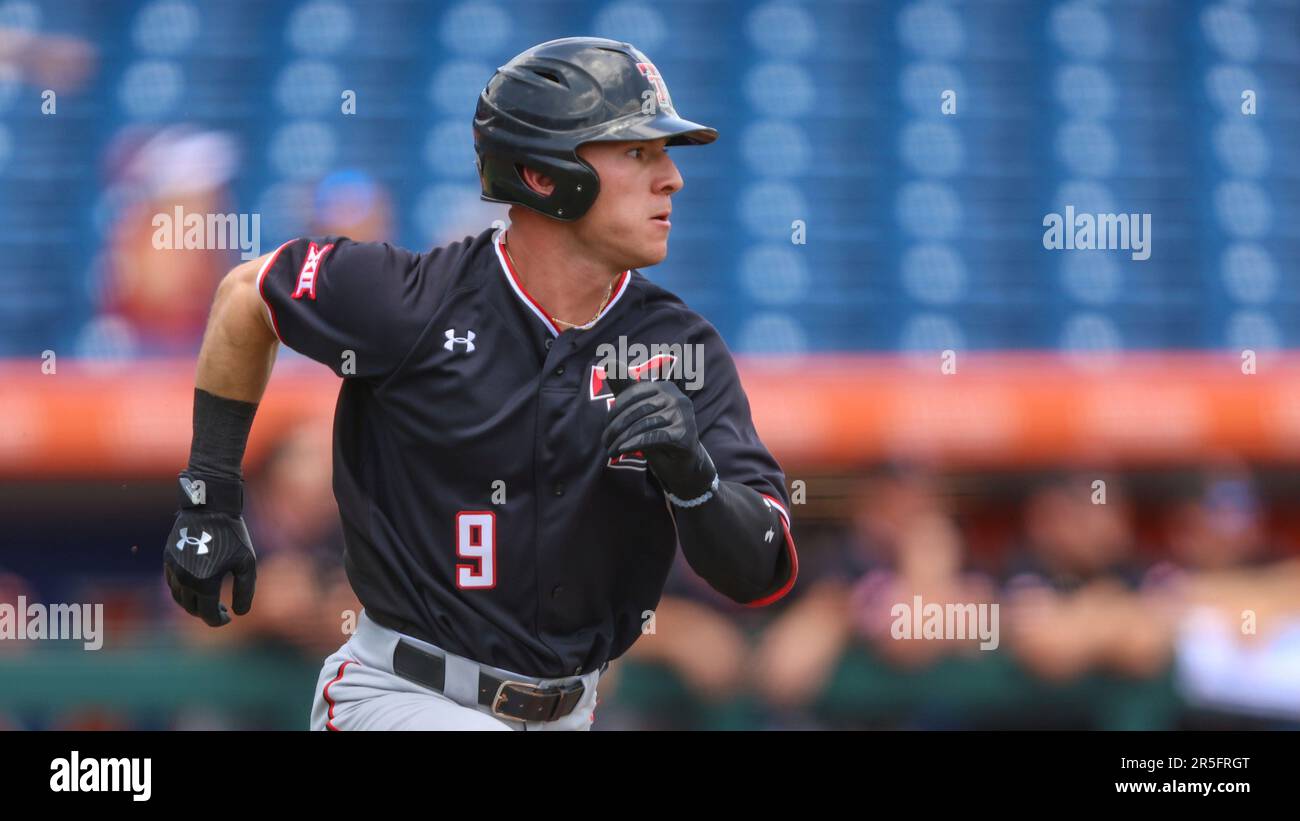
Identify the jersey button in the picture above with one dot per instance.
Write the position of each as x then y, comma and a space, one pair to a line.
559, 371
557, 591
559, 488
548, 343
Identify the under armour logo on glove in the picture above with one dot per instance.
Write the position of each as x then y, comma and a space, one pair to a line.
453, 340
200, 543
195, 566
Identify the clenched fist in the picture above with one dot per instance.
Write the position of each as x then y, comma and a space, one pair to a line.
209, 540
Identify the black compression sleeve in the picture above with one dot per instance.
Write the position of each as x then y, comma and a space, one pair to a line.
221, 428
736, 542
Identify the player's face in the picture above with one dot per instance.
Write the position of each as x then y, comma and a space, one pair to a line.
629, 222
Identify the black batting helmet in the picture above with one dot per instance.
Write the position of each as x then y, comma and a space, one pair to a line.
539, 107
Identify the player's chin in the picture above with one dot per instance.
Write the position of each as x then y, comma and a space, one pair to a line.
652, 252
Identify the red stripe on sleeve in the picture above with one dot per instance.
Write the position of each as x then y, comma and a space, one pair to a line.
261, 276
794, 559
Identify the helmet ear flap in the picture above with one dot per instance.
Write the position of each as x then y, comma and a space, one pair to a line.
576, 186
576, 183
586, 186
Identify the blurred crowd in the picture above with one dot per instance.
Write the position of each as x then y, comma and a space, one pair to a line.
154, 301
1111, 614
1186, 616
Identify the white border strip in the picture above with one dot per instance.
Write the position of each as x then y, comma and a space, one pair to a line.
532, 306
780, 508
261, 275
514, 286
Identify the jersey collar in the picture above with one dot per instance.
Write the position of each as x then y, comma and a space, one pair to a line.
507, 270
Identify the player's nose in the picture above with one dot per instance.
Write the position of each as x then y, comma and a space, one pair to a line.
670, 182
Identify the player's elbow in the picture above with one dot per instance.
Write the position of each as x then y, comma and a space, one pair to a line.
755, 592
238, 297
239, 282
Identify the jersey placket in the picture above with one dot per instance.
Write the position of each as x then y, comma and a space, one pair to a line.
555, 491
558, 475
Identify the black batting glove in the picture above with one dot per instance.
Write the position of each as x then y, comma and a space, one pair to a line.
208, 540
656, 418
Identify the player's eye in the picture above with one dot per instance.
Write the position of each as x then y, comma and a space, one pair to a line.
643, 152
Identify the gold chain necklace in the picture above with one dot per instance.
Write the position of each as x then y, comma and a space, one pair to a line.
608, 291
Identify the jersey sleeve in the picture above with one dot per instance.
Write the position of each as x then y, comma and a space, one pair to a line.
357, 307
727, 426
727, 432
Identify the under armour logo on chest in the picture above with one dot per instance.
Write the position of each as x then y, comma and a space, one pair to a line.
452, 340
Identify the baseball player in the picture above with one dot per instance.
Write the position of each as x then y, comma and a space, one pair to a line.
527, 426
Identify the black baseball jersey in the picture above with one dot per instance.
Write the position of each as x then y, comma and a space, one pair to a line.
480, 511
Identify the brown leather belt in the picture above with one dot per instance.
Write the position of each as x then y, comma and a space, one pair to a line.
516, 700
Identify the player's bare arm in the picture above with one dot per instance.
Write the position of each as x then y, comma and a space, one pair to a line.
209, 539
239, 346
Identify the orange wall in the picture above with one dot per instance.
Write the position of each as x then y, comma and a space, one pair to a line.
831, 411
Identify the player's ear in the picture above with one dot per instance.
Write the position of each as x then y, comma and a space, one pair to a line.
537, 181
